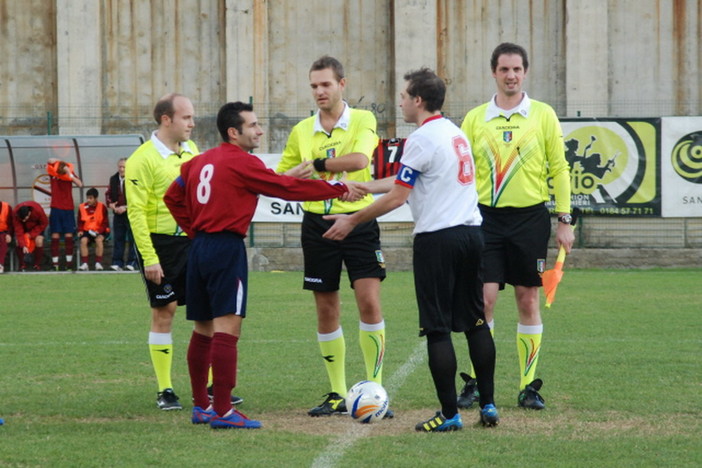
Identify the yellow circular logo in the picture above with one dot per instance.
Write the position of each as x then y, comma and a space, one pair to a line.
687, 157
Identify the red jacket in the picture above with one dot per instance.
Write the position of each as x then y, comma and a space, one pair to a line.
35, 224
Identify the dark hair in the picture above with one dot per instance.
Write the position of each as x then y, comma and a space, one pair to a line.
324, 62
24, 211
424, 83
229, 116
92, 192
164, 106
508, 48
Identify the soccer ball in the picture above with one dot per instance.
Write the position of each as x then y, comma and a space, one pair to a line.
367, 401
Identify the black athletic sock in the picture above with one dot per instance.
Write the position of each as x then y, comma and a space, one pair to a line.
442, 364
482, 355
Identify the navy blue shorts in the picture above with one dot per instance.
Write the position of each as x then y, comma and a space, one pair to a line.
217, 278
62, 221
516, 243
359, 251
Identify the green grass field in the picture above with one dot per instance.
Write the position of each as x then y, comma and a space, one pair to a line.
621, 362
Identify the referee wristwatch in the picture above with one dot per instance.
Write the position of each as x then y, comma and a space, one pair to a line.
565, 219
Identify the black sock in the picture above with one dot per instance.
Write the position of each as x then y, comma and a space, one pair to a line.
482, 355
442, 364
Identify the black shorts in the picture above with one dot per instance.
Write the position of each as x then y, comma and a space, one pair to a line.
359, 251
91, 238
516, 243
172, 253
447, 280
217, 276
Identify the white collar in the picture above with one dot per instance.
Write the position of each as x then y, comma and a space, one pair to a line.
164, 150
494, 111
342, 123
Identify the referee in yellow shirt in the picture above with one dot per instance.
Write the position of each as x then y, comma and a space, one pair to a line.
335, 140
517, 144
162, 246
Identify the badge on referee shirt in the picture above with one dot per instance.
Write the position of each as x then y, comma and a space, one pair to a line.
380, 258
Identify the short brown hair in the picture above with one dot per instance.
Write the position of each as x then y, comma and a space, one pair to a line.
164, 106
508, 48
424, 83
324, 62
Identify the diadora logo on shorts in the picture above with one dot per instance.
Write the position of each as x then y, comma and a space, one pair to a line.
540, 265
168, 289
313, 280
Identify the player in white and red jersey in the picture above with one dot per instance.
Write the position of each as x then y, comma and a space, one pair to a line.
437, 177
213, 200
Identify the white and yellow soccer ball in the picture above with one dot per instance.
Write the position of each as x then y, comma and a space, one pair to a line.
367, 401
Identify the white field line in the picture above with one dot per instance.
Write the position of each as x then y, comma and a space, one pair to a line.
336, 449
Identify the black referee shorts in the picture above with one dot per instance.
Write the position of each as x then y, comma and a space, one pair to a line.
359, 251
516, 243
172, 253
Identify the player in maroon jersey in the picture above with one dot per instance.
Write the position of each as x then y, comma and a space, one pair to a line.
29, 223
213, 201
62, 218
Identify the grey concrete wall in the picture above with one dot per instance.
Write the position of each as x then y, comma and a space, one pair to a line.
99, 65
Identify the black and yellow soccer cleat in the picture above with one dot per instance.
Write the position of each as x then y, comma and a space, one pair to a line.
334, 404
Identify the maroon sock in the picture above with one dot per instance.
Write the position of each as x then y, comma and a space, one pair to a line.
38, 255
3, 249
98, 259
199, 368
199, 360
69, 246
83, 259
224, 363
20, 257
55, 248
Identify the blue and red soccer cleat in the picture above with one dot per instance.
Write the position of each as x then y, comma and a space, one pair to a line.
203, 416
234, 420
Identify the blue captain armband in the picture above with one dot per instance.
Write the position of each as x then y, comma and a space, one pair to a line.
407, 176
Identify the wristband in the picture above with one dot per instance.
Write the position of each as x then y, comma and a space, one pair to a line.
320, 164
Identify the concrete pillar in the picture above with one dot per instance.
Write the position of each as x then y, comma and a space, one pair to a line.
586, 58
687, 25
246, 43
415, 45
79, 67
